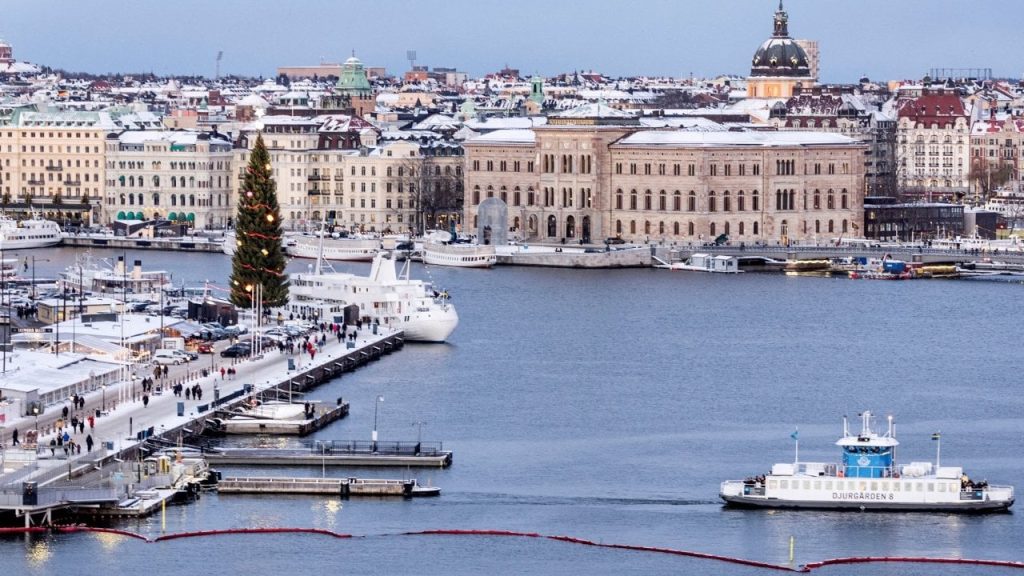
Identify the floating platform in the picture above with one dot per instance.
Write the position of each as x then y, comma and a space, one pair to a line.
343, 487
286, 419
338, 453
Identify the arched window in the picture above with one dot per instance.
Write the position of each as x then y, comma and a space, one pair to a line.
711, 229
691, 202
647, 200
755, 229
677, 201
632, 226
843, 201
817, 226
844, 227
191, 181
552, 227
504, 195
174, 181
191, 199
662, 201
741, 229
476, 195
831, 227
780, 197
740, 202
675, 228
181, 199
726, 202
661, 228
711, 201
817, 200
156, 181
490, 191
618, 199
174, 200
618, 226
156, 199
792, 200
831, 201
726, 231
755, 203
632, 200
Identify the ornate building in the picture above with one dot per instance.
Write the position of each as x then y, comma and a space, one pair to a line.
779, 64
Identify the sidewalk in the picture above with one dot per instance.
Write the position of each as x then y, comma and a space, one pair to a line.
119, 424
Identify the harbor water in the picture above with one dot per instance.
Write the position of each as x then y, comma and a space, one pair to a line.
609, 405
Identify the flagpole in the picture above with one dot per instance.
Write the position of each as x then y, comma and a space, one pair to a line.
938, 450
796, 438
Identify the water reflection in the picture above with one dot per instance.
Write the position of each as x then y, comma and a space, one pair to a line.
39, 552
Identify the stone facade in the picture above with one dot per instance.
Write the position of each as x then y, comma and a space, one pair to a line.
933, 145
648, 185
183, 176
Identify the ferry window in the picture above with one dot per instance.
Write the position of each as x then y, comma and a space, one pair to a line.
874, 486
931, 487
885, 486
784, 484
896, 486
850, 485
942, 486
807, 484
863, 486
828, 485
919, 486
817, 484
773, 484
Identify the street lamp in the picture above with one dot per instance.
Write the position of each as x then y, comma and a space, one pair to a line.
104, 387
35, 412
376, 406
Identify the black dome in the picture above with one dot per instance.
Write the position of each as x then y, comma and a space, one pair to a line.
780, 57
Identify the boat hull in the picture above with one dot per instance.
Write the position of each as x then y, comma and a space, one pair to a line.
868, 505
436, 327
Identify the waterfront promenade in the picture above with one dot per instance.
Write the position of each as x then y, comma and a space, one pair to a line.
116, 429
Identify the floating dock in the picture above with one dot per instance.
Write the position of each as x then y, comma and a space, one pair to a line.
343, 487
338, 453
251, 422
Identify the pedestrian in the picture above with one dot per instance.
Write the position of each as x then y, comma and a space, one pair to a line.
64, 412
188, 394
81, 427
78, 448
92, 422
88, 443
66, 437
14, 438
166, 371
53, 447
145, 400
222, 372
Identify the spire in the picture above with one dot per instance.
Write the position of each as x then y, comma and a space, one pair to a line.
781, 22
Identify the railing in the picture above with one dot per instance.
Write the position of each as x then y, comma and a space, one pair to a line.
54, 168
72, 182
324, 447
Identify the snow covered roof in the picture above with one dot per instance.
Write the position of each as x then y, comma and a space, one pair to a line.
594, 110
714, 139
514, 123
174, 137
502, 137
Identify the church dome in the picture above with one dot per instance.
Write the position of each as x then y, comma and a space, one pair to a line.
780, 55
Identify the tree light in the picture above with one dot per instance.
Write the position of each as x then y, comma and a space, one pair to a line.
270, 217
265, 253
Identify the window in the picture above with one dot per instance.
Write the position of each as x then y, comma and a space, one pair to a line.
677, 201
632, 200
618, 199
711, 201
691, 202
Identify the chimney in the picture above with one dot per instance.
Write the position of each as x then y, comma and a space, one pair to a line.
137, 270
119, 269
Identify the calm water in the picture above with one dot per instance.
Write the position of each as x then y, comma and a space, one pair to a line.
609, 405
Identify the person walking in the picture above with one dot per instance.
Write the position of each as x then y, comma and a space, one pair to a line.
53, 447
14, 437
145, 400
88, 443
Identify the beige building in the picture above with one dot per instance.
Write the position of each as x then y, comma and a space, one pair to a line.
53, 157
178, 175
933, 146
780, 64
582, 182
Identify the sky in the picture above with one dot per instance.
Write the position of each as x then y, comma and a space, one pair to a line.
883, 39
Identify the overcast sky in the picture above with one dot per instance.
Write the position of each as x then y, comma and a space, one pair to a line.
884, 39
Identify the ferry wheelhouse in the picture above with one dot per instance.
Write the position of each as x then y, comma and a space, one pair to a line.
868, 478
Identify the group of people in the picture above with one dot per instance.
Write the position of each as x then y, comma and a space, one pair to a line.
225, 374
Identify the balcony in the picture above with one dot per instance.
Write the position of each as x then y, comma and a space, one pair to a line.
36, 183
72, 182
313, 177
54, 168
338, 178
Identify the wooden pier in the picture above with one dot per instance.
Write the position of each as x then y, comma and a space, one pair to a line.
235, 422
343, 487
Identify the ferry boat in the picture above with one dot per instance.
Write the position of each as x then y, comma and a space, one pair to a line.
101, 277
337, 249
440, 249
868, 479
33, 232
384, 297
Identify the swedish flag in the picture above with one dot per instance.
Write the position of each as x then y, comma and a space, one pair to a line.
936, 436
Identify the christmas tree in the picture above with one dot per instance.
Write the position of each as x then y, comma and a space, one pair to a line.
258, 259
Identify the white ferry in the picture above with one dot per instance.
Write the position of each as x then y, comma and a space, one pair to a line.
337, 249
426, 315
34, 232
706, 263
867, 479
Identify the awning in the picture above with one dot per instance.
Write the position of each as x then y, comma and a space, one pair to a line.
172, 216
191, 217
120, 216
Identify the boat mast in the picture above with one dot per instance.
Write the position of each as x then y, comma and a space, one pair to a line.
320, 249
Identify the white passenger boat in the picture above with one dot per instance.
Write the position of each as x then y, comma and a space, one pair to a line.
230, 243
100, 276
707, 263
33, 232
868, 479
336, 249
384, 297
440, 249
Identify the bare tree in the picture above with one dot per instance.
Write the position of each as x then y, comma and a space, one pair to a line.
429, 189
988, 177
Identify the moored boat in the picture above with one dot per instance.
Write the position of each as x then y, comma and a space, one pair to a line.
32, 232
868, 478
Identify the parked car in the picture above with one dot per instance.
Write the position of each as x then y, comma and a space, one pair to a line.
614, 240
164, 356
205, 348
236, 351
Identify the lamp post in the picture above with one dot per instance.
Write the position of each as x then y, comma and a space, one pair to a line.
376, 406
35, 412
104, 387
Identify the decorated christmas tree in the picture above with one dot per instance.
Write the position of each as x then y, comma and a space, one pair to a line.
258, 259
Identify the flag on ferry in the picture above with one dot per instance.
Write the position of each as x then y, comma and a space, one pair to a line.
936, 436
795, 435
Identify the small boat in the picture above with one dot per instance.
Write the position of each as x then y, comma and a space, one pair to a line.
336, 249
34, 232
868, 479
707, 263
